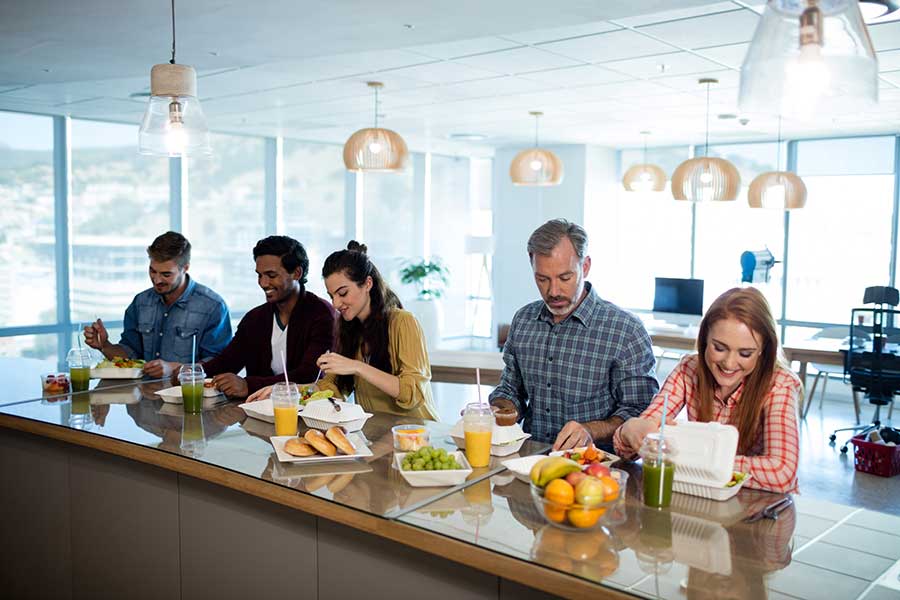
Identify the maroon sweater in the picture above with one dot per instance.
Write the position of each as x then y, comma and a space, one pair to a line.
310, 333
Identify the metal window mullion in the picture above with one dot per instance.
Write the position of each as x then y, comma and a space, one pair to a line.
422, 190
693, 153
792, 167
62, 193
274, 201
176, 202
896, 213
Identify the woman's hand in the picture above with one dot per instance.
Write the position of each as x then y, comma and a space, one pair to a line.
636, 429
260, 394
332, 362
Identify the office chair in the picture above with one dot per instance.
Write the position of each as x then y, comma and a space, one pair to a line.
872, 362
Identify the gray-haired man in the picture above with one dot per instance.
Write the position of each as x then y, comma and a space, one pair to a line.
577, 366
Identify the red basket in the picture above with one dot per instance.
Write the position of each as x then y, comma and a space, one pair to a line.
877, 459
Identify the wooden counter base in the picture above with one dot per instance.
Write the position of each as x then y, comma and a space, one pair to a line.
478, 559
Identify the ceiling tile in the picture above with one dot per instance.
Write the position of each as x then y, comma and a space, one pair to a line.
443, 72
677, 63
628, 89
577, 76
731, 55
448, 50
672, 15
885, 36
604, 47
537, 36
496, 85
517, 60
710, 30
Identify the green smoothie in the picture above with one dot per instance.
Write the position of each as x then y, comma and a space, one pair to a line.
80, 378
192, 395
652, 474
193, 428
81, 404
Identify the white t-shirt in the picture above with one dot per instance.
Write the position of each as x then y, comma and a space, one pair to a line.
279, 345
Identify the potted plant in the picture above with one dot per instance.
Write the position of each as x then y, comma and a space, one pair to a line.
430, 277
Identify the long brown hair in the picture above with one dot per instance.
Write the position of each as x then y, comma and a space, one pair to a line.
750, 307
372, 333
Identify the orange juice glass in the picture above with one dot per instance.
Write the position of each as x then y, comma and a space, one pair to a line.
478, 422
285, 401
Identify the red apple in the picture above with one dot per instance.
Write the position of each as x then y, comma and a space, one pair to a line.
597, 470
574, 478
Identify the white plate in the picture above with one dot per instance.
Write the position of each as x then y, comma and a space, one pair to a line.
116, 373
434, 478
173, 394
278, 441
522, 465
262, 410
610, 458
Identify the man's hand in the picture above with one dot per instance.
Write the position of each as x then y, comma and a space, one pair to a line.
231, 385
99, 412
572, 435
159, 369
95, 335
332, 362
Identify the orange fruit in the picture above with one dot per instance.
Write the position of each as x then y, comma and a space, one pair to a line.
610, 488
584, 517
560, 491
554, 513
585, 546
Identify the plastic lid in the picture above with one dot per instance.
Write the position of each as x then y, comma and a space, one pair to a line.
499, 435
706, 452
656, 446
323, 410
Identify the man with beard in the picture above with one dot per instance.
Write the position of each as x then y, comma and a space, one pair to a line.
576, 366
161, 322
292, 320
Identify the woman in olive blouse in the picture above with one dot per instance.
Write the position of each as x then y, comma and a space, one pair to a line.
389, 369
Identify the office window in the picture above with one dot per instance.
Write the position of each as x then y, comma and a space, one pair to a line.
636, 237
479, 248
392, 214
27, 234
314, 203
726, 229
120, 202
226, 217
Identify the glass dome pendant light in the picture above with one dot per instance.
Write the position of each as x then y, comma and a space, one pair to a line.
706, 179
644, 177
536, 166
173, 124
375, 149
781, 190
810, 58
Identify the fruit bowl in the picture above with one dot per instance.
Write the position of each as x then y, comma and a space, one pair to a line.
575, 516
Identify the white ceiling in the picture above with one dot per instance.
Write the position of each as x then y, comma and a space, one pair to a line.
601, 70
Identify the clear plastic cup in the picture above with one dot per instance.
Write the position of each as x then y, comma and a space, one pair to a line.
191, 379
657, 453
193, 439
478, 422
285, 401
80, 361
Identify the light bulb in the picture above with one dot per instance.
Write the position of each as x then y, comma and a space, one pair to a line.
374, 147
706, 178
535, 165
176, 137
774, 196
644, 183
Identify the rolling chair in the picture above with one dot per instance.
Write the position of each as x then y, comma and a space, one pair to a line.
872, 362
823, 371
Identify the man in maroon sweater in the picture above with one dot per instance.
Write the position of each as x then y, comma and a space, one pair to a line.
292, 320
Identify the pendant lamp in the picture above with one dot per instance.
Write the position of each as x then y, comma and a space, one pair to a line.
536, 166
644, 177
706, 179
781, 190
375, 149
174, 124
810, 58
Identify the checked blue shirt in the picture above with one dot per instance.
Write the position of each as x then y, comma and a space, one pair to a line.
594, 364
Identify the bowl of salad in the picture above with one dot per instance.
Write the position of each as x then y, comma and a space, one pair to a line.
118, 368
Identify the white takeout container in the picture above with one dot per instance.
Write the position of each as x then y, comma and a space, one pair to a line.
504, 440
321, 414
719, 493
261, 409
704, 452
116, 373
521, 466
173, 394
434, 478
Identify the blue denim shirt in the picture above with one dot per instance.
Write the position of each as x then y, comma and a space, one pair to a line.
154, 330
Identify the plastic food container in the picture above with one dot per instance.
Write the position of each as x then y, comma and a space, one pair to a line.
409, 438
505, 417
321, 414
504, 440
55, 383
705, 459
434, 478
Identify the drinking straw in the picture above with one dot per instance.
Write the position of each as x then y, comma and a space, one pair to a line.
193, 351
662, 429
78, 337
284, 366
478, 384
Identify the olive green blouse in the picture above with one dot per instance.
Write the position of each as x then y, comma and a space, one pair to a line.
409, 362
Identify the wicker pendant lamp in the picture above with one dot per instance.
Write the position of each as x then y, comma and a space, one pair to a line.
780, 190
375, 149
536, 166
644, 177
706, 179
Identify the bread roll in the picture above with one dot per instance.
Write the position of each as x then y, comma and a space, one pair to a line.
336, 435
340, 482
317, 440
314, 483
297, 447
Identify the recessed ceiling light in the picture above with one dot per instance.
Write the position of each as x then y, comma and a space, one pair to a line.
468, 137
727, 116
409, 26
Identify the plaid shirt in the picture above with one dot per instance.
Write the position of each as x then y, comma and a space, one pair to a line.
773, 458
594, 364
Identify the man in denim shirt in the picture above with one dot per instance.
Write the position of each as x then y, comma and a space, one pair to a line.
576, 366
161, 322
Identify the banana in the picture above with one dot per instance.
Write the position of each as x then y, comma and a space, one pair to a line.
550, 468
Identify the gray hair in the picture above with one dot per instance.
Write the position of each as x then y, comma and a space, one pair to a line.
546, 237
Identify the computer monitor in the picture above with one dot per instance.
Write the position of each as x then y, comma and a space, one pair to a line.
678, 296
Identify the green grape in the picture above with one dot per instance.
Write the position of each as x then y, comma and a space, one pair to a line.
407, 467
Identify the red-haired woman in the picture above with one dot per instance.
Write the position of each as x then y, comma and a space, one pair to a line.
737, 377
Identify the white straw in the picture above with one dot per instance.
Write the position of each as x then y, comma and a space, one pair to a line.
478, 384
78, 336
284, 366
662, 429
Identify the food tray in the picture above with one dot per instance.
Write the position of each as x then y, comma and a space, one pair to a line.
434, 478
116, 373
704, 453
261, 409
718, 493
